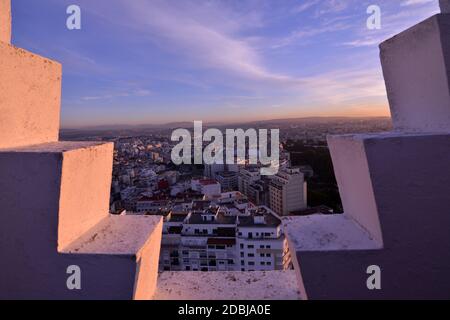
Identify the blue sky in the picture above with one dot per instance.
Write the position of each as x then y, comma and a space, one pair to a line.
153, 61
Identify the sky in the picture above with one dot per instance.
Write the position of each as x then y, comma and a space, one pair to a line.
155, 61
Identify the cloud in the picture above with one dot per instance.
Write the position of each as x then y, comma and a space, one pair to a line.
110, 96
346, 85
309, 32
415, 2
205, 34
304, 6
333, 7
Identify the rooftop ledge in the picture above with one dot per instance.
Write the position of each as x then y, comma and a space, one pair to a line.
229, 285
327, 233
118, 235
55, 147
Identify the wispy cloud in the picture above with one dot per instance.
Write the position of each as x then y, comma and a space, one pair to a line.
114, 95
203, 33
308, 32
304, 6
407, 3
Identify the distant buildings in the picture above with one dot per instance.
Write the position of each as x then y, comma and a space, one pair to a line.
287, 191
258, 193
208, 187
247, 176
228, 180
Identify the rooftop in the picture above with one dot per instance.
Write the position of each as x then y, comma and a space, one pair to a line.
259, 285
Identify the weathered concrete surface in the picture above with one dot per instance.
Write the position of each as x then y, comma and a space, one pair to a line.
416, 67
445, 6
85, 189
30, 96
84, 173
327, 233
39, 193
355, 184
139, 236
5, 21
410, 184
256, 285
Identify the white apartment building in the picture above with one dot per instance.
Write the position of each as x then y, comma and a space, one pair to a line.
287, 191
227, 234
261, 242
208, 187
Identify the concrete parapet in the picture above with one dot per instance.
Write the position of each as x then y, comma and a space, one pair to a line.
30, 97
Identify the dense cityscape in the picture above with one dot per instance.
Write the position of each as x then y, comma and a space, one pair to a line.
223, 217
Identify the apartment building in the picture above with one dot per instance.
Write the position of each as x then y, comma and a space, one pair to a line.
247, 176
228, 180
225, 234
287, 191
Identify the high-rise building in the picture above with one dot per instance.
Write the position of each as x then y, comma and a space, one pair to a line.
287, 191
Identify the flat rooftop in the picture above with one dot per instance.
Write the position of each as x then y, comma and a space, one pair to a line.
228, 285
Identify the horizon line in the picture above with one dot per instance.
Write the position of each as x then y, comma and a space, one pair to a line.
105, 126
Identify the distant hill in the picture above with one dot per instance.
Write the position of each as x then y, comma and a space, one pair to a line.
187, 124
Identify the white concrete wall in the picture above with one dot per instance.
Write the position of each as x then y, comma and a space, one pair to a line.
408, 178
85, 189
30, 96
5, 21
354, 181
417, 74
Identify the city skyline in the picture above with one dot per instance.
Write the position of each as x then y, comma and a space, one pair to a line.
158, 62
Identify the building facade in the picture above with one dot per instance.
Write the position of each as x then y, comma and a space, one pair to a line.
287, 191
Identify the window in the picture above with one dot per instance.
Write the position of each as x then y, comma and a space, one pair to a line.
269, 263
261, 247
242, 254
262, 255
251, 263
220, 247
250, 246
263, 263
251, 255
242, 246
